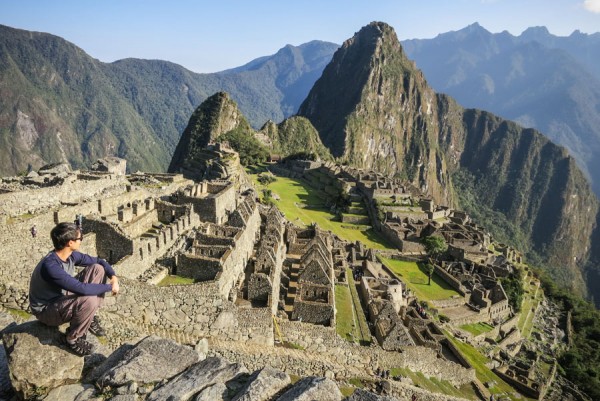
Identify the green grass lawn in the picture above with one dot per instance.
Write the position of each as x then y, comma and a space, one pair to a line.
344, 321
477, 328
484, 374
530, 303
175, 280
416, 279
302, 205
350, 320
435, 385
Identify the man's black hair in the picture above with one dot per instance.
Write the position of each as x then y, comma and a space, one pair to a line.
62, 234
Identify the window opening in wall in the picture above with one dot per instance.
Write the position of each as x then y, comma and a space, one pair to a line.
149, 249
141, 254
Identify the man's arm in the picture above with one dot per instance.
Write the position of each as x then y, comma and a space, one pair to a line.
82, 259
52, 272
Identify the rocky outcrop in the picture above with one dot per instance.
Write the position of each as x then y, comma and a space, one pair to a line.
263, 385
37, 360
156, 369
313, 388
215, 116
292, 136
152, 360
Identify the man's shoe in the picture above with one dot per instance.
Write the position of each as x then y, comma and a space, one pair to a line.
96, 329
80, 347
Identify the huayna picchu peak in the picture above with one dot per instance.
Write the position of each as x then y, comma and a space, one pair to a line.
374, 110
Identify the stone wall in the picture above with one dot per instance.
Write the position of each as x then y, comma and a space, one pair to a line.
115, 244
147, 249
72, 190
212, 201
196, 309
321, 339
226, 269
200, 268
450, 280
140, 223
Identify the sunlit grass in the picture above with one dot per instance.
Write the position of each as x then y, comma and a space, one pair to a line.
416, 279
477, 328
484, 374
302, 205
175, 280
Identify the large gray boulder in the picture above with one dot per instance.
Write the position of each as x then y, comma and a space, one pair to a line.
313, 388
70, 392
153, 359
197, 378
37, 359
263, 385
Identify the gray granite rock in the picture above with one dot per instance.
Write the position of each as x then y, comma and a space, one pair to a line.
37, 360
216, 392
313, 388
198, 377
152, 359
69, 392
263, 385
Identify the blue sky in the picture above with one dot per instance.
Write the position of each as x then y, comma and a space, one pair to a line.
208, 36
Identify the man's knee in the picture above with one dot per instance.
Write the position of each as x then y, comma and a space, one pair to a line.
87, 304
93, 274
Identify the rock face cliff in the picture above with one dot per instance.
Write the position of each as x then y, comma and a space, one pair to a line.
374, 109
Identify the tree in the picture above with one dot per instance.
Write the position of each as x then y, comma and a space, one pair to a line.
435, 246
429, 269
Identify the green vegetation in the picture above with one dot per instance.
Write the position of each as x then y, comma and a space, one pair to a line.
251, 151
296, 137
581, 363
513, 286
435, 385
303, 205
175, 280
344, 319
351, 323
416, 279
18, 313
435, 245
477, 328
266, 178
478, 361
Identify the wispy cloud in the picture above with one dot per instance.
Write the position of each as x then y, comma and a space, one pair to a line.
592, 5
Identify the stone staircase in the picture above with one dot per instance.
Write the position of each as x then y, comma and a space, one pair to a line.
292, 289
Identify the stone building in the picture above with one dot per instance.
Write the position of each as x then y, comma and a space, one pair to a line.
264, 281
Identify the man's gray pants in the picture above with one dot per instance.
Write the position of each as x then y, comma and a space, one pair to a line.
79, 310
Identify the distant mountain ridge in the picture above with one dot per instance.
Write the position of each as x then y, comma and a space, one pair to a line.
537, 79
59, 104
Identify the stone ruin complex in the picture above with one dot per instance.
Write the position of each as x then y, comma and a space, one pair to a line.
256, 277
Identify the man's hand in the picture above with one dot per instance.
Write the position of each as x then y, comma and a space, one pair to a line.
114, 281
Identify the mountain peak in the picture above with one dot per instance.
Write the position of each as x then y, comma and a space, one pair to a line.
535, 32
215, 116
368, 97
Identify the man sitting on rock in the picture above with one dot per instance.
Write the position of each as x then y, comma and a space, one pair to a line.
56, 297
